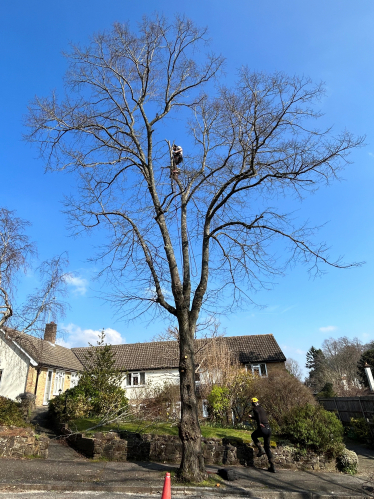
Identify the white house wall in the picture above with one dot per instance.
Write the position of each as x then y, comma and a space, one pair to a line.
14, 365
154, 378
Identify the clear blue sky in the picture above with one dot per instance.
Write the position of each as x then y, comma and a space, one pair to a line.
330, 41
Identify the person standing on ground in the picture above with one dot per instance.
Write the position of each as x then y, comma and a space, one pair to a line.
263, 430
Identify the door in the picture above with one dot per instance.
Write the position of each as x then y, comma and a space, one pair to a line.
48, 386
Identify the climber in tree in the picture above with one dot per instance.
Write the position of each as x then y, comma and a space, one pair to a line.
177, 152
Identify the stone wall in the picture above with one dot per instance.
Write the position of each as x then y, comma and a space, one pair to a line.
128, 446
289, 457
22, 442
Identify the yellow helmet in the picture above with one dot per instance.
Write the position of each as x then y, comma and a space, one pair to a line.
254, 400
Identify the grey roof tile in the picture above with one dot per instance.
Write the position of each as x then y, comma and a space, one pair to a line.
165, 355
46, 353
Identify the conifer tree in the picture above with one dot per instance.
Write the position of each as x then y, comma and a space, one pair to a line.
102, 380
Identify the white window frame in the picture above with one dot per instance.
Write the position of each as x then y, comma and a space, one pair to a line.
253, 367
47, 396
74, 378
59, 382
131, 376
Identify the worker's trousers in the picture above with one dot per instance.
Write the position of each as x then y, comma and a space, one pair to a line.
264, 432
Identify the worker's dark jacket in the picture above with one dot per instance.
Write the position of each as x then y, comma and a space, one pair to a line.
260, 417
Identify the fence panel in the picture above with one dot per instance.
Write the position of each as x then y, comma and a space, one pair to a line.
350, 407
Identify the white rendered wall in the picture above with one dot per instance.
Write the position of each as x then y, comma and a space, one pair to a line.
152, 379
14, 365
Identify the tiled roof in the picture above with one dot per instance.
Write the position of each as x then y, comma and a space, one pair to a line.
44, 352
255, 348
164, 354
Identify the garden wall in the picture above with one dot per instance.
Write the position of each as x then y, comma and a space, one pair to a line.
22, 442
128, 446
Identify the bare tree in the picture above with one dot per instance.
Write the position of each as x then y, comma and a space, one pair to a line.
293, 367
341, 358
168, 230
16, 252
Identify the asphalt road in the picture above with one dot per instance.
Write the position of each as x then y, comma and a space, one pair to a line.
87, 495
73, 495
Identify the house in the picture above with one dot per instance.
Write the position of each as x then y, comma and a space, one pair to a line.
40, 366
157, 362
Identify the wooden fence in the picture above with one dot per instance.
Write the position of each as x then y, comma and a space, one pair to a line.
351, 407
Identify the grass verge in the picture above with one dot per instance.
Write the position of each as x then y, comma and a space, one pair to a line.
212, 481
83, 425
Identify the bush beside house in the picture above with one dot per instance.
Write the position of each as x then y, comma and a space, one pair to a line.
11, 413
17, 438
98, 391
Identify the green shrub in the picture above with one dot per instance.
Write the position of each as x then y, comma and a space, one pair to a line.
73, 404
360, 428
327, 391
219, 402
10, 413
98, 392
347, 462
314, 428
83, 401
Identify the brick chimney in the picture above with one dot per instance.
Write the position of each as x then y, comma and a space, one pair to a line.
50, 332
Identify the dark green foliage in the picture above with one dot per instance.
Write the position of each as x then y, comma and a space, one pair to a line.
314, 428
366, 357
11, 413
101, 381
316, 363
360, 428
327, 391
73, 404
98, 392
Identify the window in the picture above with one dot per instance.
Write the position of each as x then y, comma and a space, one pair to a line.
197, 377
1, 375
135, 379
205, 409
59, 382
48, 387
257, 369
74, 378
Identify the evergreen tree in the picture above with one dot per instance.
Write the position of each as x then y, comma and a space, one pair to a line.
327, 391
101, 380
316, 363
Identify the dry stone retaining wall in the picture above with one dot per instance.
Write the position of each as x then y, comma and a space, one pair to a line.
22, 442
128, 446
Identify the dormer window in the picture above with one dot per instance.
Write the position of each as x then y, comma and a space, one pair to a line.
257, 369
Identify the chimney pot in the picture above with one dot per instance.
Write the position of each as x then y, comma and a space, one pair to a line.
50, 332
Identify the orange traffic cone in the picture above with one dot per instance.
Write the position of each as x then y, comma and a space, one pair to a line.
166, 493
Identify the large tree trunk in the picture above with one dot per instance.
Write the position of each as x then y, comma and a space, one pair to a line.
192, 467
